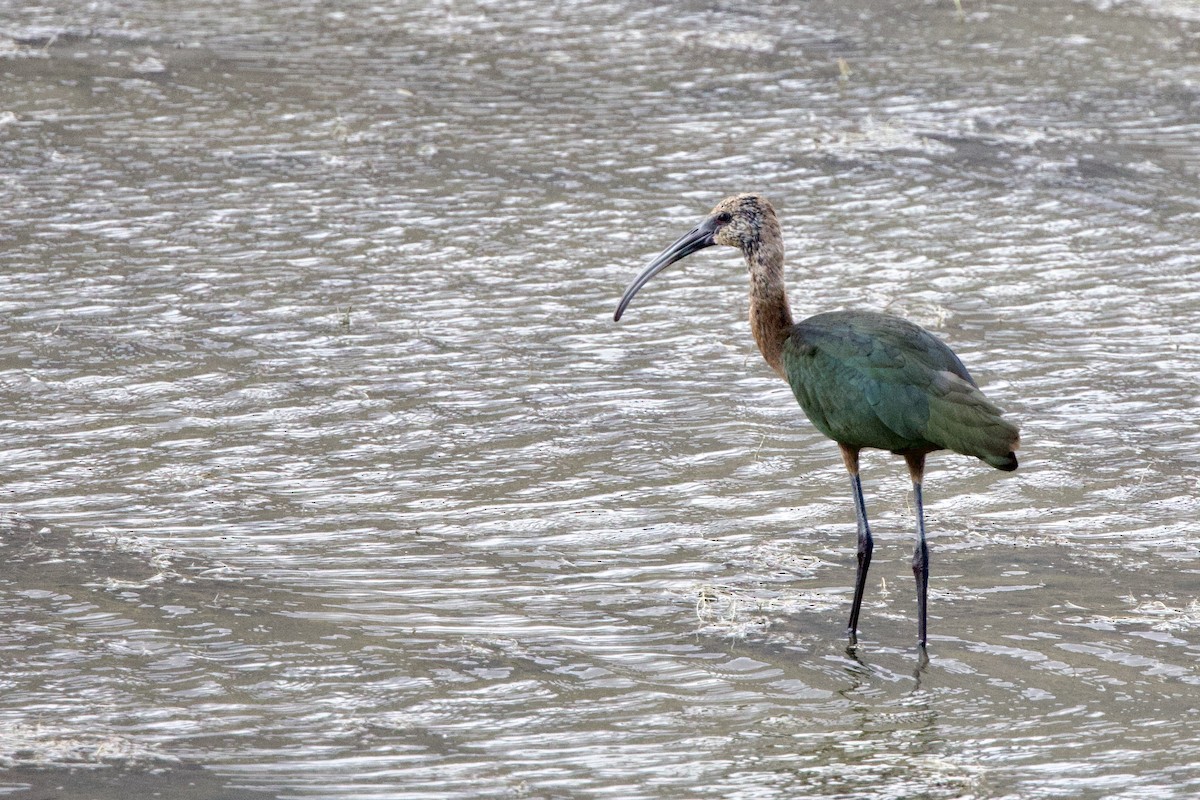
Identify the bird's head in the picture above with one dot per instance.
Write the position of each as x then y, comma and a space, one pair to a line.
741, 221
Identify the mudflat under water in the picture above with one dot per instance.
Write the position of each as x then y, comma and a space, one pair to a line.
325, 473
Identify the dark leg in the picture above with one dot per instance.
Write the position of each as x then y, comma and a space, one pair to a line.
920, 561
865, 543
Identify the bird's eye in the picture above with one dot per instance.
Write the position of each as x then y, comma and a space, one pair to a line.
724, 218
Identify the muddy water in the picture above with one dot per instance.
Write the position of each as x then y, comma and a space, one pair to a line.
327, 474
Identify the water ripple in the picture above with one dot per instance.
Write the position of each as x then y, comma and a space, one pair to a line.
326, 468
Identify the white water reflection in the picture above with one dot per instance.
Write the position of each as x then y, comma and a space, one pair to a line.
326, 469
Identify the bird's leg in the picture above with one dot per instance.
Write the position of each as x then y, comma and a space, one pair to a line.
920, 561
865, 543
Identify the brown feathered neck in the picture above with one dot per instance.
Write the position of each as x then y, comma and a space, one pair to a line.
770, 314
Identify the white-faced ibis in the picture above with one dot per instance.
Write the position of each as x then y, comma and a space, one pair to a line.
864, 379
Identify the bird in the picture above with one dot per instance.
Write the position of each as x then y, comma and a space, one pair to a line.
864, 379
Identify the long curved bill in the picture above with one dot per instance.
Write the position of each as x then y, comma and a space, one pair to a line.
697, 238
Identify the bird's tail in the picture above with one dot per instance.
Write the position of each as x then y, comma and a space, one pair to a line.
963, 420
998, 458
1006, 462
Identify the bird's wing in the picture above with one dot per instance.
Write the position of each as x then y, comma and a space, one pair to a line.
872, 380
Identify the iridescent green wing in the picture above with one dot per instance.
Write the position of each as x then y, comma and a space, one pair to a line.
872, 380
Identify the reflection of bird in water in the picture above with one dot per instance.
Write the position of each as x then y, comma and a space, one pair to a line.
864, 379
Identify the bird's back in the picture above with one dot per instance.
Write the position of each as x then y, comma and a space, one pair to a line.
874, 380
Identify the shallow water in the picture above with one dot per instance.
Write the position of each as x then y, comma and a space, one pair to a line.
327, 473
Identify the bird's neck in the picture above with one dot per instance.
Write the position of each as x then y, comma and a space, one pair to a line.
770, 314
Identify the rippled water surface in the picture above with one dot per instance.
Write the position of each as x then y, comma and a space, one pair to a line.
326, 473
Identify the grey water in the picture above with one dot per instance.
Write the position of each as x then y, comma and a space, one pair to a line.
325, 472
